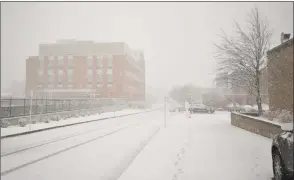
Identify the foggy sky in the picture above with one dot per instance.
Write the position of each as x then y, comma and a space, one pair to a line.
177, 38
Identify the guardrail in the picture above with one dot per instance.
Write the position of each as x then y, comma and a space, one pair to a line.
255, 125
23, 107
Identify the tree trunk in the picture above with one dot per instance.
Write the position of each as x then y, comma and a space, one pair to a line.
258, 97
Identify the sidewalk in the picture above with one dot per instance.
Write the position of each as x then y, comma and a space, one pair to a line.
161, 158
205, 147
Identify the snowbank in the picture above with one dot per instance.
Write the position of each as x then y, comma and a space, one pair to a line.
16, 129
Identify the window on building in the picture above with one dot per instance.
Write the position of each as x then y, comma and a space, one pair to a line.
99, 78
109, 60
99, 62
90, 78
41, 60
90, 72
51, 62
110, 78
60, 85
50, 78
99, 71
60, 72
69, 75
69, 72
89, 61
109, 71
90, 85
60, 61
70, 61
109, 85
50, 72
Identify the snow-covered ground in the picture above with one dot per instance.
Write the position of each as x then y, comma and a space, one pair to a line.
138, 147
17, 129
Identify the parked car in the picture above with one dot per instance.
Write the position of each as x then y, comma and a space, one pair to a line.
200, 108
220, 109
176, 108
282, 153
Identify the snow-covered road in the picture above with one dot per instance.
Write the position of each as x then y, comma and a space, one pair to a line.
137, 147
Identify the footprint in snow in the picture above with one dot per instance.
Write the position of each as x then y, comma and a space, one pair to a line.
176, 163
180, 170
175, 177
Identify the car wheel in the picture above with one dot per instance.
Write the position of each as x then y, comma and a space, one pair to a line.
278, 167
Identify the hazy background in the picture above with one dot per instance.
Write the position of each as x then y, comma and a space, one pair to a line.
177, 38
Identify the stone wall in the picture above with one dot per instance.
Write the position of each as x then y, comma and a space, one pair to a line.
255, 125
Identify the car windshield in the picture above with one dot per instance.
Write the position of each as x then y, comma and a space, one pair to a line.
131, 90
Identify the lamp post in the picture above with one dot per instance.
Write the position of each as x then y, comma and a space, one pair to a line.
165, 101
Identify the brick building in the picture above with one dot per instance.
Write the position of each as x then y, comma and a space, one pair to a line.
74, 69
280, 72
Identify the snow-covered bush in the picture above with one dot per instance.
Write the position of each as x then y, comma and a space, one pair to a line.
22, 122
89, 113
76, 115
46, 119
34, 120
282, 116
5, 124
83, 114
55, 118
65, 116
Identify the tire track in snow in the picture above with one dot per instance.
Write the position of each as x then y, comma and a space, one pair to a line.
51, 141
61, 151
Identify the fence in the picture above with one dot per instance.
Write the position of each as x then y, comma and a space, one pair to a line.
21, 107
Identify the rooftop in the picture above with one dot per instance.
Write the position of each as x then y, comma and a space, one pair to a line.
277, 48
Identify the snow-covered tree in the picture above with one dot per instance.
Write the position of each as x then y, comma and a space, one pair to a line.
244, 55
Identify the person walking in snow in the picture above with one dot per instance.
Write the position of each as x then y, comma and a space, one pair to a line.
187, 107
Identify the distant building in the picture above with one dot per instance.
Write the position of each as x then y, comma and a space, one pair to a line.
280, 74
236, 94
84, 69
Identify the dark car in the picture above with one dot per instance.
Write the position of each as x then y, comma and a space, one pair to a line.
282, 153
200, 108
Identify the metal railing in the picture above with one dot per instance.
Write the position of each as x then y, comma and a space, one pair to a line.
21, 107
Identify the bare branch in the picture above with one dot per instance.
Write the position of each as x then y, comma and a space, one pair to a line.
244, 55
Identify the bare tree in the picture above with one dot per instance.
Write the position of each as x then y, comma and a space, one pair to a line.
243, 56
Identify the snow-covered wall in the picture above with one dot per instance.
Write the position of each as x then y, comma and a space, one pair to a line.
256, 125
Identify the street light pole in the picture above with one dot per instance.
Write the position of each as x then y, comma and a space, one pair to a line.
165, 111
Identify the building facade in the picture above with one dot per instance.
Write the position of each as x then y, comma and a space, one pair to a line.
70, 69
280, 74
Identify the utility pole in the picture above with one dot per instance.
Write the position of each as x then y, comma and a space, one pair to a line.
30, 125
165, 98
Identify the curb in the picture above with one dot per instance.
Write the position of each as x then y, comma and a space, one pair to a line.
73, 124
